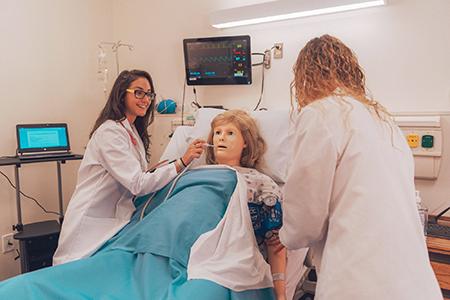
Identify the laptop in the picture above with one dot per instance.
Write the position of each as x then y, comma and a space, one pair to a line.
42, 141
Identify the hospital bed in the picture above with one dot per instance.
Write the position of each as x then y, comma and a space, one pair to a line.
275, 127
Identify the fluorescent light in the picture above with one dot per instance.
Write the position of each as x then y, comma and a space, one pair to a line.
285, 10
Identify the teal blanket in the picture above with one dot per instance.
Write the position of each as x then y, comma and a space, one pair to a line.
148, 258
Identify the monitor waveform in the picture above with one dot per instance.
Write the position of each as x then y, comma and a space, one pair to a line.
213, 59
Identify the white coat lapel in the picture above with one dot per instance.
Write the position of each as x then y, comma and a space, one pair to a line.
138, 149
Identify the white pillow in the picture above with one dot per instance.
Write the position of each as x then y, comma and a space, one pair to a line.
178, 143
274, 126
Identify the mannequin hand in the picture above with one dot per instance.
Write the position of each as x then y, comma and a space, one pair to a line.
274, 242
281, 297
194, 150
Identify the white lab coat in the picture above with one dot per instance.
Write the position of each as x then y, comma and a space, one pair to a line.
229, 254
350, 197
111, 174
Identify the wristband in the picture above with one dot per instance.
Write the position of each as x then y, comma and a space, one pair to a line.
180, 164
184, 165
278, 276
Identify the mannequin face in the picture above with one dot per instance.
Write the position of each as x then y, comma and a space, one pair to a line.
229, 143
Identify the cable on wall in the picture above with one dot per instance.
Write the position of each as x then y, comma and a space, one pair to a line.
29, 197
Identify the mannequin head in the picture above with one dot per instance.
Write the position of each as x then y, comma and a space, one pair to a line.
237, 140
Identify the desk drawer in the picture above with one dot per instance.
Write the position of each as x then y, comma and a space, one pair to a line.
439, 251
442, 272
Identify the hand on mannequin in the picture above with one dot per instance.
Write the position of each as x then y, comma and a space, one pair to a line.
194, 150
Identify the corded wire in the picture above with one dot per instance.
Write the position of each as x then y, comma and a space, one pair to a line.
195, 102
262, 90
176, 180
29, 197
262, 78
182, 103
258, 64
168, 193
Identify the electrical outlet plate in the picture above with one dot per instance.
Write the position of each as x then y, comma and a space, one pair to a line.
278, 50
8, 243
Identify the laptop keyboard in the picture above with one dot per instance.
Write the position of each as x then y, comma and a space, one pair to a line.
45, 155
438, 230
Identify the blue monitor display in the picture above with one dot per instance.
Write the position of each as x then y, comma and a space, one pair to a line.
42, 137
218, 60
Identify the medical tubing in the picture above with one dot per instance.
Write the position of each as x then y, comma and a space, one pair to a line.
176, 180
168, 193
146, 204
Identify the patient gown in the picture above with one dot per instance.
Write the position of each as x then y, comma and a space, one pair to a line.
147, 259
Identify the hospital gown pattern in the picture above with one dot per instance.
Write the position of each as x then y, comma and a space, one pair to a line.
264, 199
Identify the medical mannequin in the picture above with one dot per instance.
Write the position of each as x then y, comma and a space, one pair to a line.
114, 169
237, 143
350, 189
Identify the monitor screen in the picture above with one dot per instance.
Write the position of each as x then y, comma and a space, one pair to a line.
218, 60
42, 137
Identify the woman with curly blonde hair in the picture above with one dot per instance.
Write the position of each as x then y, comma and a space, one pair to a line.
350, 192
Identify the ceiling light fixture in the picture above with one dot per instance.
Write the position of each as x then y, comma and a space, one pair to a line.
285, 10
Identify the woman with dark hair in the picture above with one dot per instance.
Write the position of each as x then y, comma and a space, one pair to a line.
350, 194
114, 168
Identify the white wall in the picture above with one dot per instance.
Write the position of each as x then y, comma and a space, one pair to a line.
403, 48
48, 74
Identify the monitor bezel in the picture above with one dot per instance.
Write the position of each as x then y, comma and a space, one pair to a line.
219, 81
42, 149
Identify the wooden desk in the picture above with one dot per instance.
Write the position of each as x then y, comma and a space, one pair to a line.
439, 251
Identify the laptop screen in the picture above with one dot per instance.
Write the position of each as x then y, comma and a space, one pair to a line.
42, 138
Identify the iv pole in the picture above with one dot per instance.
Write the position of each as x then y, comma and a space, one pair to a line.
115, 48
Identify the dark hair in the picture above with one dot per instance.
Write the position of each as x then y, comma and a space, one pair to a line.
115, 106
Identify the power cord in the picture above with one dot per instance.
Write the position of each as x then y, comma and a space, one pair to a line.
195, 102
262, 79
262, 91
260, 63
29, 197
182, 103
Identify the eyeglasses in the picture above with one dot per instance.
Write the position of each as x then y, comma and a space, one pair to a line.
140, 94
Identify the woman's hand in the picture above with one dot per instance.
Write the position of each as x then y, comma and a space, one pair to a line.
194, 150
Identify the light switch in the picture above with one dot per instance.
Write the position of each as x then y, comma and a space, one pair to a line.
413, 140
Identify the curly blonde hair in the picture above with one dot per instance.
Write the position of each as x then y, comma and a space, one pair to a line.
252, 154
327, 67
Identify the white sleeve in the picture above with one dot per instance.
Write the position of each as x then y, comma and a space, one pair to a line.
117, 157
308, 188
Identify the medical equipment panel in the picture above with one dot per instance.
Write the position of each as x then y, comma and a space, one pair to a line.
218, 60
424, 137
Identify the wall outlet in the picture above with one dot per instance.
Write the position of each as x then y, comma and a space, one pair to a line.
8, 243
278, 50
